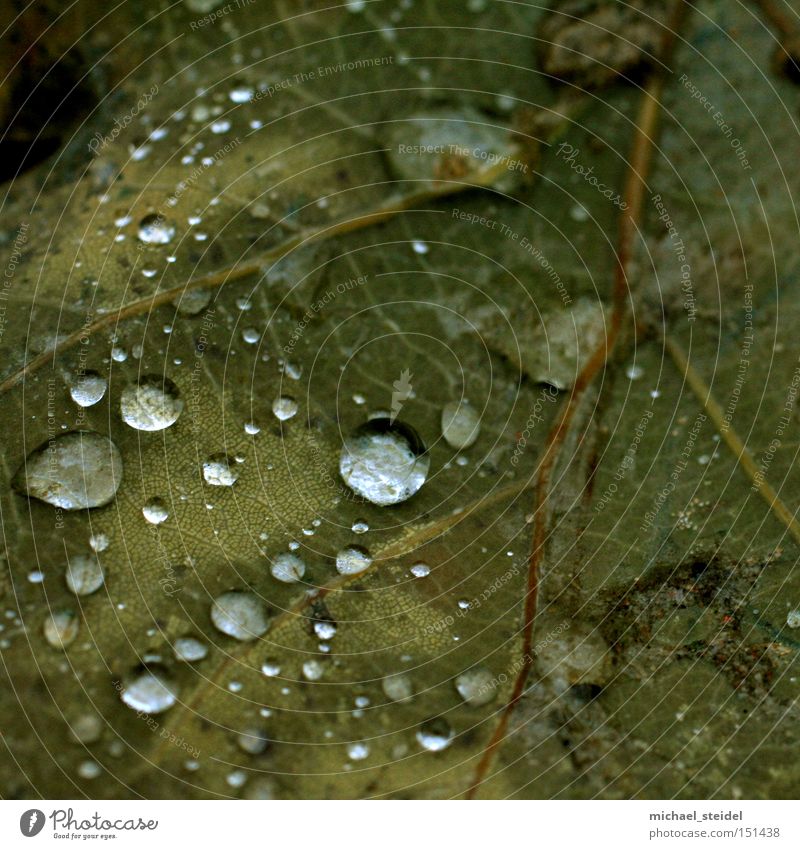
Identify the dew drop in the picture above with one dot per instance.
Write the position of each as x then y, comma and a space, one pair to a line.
88, 389
420, 570
312, 670
385, 462
87, 728
155, 230
360, 527
793, 618
271, 668
189, 650
84, 574
460, 424
241, 615
254, 741
476, 686
220, 470
357, 751
352, 560
90, 769
155, 511
419, 247
153, 404
150, 692
61, 628
75, 471
435, 735
284, 407
398, 687
288, 568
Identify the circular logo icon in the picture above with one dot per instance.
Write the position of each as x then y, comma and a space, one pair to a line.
31, 822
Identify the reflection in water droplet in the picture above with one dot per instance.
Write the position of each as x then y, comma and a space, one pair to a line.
155, 511
84, 574
435, 735
460, 424
75, 471
154, 404
150, 692
398, 687
240, 614
284, 407
87, 389
188, 649
61, 628
384, 462
288, 568
476, 686
352, 560
155, 230
220, 470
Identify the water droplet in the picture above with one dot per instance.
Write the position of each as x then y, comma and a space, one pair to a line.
88, 388
352, 560
634, 372
419, 247
384, 462
312, 670
84, 574
360, 527
89, 769
356, 5
251, 429
153, 404
87, 728
254, 741
284, 407
271, 668
287, 568
420, 570
75, 471
61, 628
398, 687
793, 618
262, 788
155, 230
119, 355
250, 335
150, 692
220, 470
221, 126
241, 615
357, 751
476, 686
98, 542
435, 735
155, 511
325, 629
192, 301
189, 650
240, 95
460, 424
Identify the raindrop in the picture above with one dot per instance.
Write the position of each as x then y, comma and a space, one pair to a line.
155, 511
288, 568
155, 230
460, 424
435, 735
61, 628
420, 570
476, 686
88, 388
153, 404
74, 471
220, 470
150, 692
84, 574
240, 614
188, 649
352, 560
284, 407
398, 687
384, 462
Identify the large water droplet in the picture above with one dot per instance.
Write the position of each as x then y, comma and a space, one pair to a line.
220, 470
150, 692
84, 574
384, 462
155, 230
75, 471
435, 735
352, 560
154, 404
88, 388
476, 686
460, 424
240, 614
61, 628
288, 568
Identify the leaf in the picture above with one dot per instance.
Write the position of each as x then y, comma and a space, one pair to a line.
295, 252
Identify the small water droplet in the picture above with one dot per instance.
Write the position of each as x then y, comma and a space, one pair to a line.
251, 429
398, 687
435, 735
385, 462
150, 692
360, 527
420, 570
352, 560
89, 769
284, 407
460, 424
88, 389
220, 470
61, 628
325, 629
189, 650
155, 511
419, 247
312, 670
254, 741
241, 615
271, 668
155, 230
357, 751
288, 568
476, 686
84, 574
153, 404
86, 728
